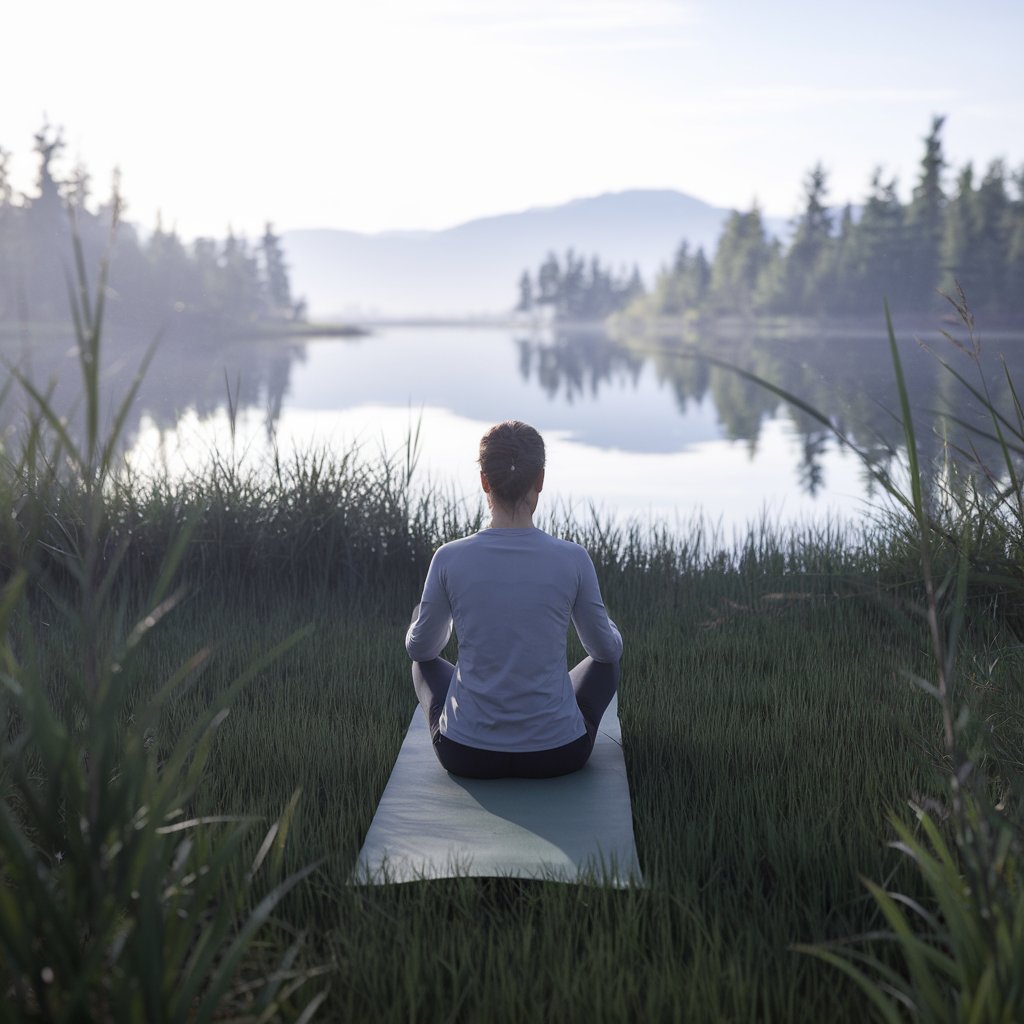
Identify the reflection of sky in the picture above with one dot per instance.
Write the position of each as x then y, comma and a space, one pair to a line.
475, 374
628, 450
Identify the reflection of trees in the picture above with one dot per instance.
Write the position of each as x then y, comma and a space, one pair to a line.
814, 444
191, 371
851, 380
573, 363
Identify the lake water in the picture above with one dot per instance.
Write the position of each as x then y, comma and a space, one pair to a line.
634, 428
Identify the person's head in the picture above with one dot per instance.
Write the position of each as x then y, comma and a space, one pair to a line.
511, 462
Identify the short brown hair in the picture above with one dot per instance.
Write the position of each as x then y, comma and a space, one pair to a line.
511, 457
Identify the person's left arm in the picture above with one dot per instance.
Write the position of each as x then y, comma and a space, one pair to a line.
431, 627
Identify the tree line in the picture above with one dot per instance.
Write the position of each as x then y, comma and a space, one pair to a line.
153, 277
577, 289
845, 263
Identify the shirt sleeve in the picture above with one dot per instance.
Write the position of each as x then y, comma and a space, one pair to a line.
598, 634
431, 629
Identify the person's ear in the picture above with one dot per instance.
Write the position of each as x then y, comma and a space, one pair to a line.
484, 484
538, 485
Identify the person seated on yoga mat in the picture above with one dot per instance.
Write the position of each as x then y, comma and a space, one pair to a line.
511, 706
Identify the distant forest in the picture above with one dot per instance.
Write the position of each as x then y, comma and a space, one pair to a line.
577, 289
836, 263
907, 253
154, 278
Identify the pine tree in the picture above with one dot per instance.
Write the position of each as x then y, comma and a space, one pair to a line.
549, 282
743, 254
991, 255
879, 260
525, 303
925, 222
839, 275
804, 263
275, 270
697, 280
571, 299
48, 242
960, 239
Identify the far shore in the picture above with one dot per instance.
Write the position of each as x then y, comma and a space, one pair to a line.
618, 326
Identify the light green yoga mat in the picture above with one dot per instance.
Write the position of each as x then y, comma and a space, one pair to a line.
575, 828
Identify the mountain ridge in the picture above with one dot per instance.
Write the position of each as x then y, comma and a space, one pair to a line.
472, 268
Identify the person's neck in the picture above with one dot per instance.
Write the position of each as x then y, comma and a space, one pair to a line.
503, 519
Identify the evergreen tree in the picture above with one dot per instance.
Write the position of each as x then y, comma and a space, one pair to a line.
804, 263
669, 296
241, 293
960, 239
634, 286
879, 260
925, 222
275, 270
525, 303
549, 282
697, 280
600, 299
47, 246
839, 275
743, 254
991, 254
571, 301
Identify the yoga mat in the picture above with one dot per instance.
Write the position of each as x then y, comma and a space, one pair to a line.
574, 828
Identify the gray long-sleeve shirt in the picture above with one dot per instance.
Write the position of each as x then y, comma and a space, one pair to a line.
511, 594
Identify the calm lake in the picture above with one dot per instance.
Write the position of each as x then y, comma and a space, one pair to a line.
633, 427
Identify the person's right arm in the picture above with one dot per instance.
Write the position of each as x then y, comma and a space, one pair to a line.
598, 634
431, 628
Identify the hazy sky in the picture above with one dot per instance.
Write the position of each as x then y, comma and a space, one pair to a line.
379, 114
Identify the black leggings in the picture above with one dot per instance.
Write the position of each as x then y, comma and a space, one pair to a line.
594, 683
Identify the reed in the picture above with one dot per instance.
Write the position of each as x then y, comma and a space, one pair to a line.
961, 947
118, 901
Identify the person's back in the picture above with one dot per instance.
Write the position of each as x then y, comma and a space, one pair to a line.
510, 706
512, 594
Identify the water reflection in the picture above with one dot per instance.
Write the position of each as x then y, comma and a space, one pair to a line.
635, 395
848, 378
201, 373
572, 364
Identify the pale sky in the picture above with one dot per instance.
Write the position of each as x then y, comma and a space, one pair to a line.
385, 114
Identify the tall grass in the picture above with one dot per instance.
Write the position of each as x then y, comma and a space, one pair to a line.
118, 900
963, 947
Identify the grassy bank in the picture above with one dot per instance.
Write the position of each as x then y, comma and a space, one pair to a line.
767, 724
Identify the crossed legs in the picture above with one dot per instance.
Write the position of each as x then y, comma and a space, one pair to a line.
593, 682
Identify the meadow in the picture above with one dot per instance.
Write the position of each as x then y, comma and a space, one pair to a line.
181, 813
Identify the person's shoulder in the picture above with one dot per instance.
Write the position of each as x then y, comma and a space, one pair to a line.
454, 548
568, 549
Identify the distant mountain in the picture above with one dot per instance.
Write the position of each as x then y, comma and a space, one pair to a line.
473, 268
